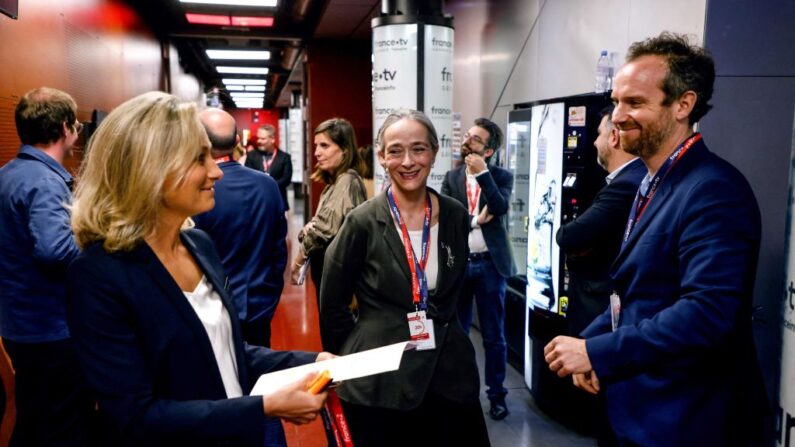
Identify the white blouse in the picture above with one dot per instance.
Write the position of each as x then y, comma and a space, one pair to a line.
432, 266
214, 317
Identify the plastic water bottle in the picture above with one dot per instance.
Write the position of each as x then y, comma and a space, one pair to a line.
604, 73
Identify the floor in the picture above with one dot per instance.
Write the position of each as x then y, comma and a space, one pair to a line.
295, 326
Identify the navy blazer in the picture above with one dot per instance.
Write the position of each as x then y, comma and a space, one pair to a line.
495, 191
281, 169
681, 368
591, 243
147, 357
249, 229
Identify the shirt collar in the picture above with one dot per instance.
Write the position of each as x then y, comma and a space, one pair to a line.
610, 177
30, 152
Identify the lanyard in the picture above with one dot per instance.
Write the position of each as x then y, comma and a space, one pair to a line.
473, 194
225, 158
266, 164
419, 283
641, 202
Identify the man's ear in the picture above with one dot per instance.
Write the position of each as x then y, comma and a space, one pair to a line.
613, 139
488, 153
684, 105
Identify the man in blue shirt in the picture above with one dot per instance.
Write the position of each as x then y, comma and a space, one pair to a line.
53, 405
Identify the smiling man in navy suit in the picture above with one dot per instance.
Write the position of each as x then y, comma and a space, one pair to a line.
674, 352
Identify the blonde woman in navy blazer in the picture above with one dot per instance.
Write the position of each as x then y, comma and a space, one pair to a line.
168, 367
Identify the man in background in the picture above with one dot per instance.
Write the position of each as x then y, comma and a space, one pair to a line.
249, 229
591, 243
486, 191
266, 157
675, 353
53, 404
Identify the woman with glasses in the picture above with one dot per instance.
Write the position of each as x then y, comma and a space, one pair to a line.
340, 168
403, 255
148, 306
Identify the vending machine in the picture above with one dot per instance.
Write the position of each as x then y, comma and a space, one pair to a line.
558, 178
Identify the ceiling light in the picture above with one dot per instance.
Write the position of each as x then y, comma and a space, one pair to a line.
263, 22
255, 88
247, 95
268, 3
244, 81
207, 19
249, 104
235, 87
260, 55
243, 70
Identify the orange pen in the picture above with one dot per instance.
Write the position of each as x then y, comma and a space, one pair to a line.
319, 382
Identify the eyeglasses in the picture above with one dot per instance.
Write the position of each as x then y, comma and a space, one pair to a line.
475, 138
78, 127
398, 153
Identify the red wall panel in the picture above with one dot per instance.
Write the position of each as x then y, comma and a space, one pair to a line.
252, 119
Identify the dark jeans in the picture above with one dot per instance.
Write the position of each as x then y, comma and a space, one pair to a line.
436, 422
258, 332
54, 407
488, 287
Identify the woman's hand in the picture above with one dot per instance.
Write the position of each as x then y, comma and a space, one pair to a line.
294, 403
295, 269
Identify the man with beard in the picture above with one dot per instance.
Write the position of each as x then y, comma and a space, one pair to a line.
53, 405
675, 352
485, 190
591, 243
269, 159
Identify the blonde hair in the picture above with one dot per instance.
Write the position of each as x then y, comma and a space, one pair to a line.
143, 142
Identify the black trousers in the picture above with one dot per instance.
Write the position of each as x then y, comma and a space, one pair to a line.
257, 332
54, 407
436, 422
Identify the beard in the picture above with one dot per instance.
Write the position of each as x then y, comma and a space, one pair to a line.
651, 137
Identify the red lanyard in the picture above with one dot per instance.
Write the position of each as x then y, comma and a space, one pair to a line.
419, 282
266, 164
220, 160
473, 195
641, 202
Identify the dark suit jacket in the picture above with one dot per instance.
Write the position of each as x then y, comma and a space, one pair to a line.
681, 368
495, 191
147, 356
591, 243
248, 226
367, 259
281, 169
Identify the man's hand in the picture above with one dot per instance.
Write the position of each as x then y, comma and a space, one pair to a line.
567, 355
475, 163
485, 216
294, 403
588, 382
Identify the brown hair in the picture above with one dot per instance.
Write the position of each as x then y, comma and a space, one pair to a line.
340, 131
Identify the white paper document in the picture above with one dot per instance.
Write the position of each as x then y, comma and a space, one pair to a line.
361, 364
302, 273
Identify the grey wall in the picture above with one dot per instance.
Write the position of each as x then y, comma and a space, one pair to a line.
752, 126
514, 51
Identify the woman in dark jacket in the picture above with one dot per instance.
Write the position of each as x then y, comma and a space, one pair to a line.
403, 255
155, 330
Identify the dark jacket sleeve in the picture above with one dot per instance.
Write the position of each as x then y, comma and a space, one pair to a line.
286, 178
341, 269
496, 190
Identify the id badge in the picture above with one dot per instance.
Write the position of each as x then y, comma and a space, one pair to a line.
421, 330
615, 309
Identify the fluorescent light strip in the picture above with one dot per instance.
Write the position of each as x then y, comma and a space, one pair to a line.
247, 95
249, 105
244, 81
255, 88
235, 87
266, 3
251, 55
242, 70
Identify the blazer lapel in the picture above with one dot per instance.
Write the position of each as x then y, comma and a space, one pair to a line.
218, 280
391, 236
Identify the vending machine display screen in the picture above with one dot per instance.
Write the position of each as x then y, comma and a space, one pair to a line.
546, 170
